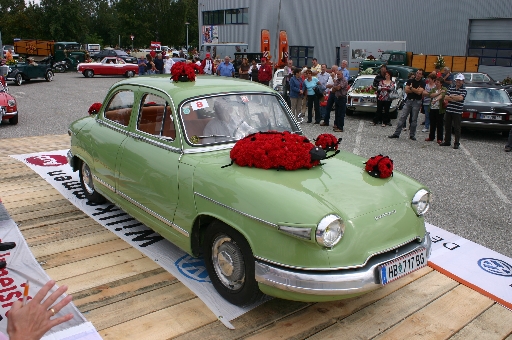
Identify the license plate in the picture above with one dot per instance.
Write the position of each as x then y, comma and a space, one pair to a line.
490, 117
368, 100
402, 266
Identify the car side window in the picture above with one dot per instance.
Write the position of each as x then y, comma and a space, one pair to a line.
120, 107
155, 117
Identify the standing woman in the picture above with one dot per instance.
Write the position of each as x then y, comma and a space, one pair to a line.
296, 93
254, 71
309, 83
429, 85
385, 87
437, 110
244, 69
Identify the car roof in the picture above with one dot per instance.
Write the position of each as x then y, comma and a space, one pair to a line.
366, 76
204, 85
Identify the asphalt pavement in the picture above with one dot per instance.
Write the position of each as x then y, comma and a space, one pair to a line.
471, 186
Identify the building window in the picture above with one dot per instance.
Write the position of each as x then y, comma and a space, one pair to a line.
491, 52
234, 16
302, 55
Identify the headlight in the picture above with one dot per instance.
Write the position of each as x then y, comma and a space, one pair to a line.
330, 231
11, 102
421, 202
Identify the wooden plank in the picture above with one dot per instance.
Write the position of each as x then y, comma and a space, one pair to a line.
322, 315
72, 256
494, 323
103, 261
67, 232
442, 318
369, 322
118, 290
139, 305
72, 243
106, 275
163, 324
35, 236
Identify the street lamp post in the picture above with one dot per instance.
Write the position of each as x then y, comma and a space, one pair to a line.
187, 23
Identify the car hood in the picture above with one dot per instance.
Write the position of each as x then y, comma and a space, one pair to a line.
340, 186
4, 97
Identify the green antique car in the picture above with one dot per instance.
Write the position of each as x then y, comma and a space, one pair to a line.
159, 149
25, 71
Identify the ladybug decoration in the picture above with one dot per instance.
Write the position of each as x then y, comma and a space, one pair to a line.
379, 166
279, 150
328, 142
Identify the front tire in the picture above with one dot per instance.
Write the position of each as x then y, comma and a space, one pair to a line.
230, 264
13, 120
18, 80
48, 76
88, 186
130, 74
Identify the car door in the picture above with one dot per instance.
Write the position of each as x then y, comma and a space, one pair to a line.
110, 134
148, 167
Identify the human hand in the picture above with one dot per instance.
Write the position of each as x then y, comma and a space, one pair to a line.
33, 320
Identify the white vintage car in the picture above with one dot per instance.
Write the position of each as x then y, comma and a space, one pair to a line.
362, 97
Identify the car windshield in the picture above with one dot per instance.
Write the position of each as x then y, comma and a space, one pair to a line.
122, 53
228, 118
362, 82
384, 57
487, 96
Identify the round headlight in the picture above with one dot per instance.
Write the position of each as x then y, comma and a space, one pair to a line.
421, 202
11, 102
330, 231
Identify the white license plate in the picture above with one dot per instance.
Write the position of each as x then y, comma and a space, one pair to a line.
402, 266
490, 117
368, 100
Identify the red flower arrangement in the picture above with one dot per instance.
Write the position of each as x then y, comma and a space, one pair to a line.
94, 108
276, 150
182, 71
327, 141
379, 166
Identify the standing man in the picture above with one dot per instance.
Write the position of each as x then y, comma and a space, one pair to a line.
226, 69
159, 64
447, 77
265, 72
168, 64
414, 89
325, 79
376, 81
142, 65
453, 116
316, 67
344, 69
340, 90
207, 64
288, 69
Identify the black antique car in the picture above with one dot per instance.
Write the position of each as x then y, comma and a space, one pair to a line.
487, 108
25, 71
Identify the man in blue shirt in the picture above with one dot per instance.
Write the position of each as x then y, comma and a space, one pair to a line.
226, 69
344, 69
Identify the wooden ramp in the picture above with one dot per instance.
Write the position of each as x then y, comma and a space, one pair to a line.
127, 296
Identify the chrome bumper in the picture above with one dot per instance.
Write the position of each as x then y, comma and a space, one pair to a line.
340, 282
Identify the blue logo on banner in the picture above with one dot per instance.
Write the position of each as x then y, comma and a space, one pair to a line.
193, 268
495, 266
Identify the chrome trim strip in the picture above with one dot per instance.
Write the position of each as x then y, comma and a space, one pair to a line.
338, 268
112, 125
351, 281
106, 185
154, 214
237, 211
156, 143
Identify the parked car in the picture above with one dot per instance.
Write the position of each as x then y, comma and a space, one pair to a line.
115, 53
479, 78
487, 108
25, 71
8, 106
361, 97
108, 66
160, 150
277, 80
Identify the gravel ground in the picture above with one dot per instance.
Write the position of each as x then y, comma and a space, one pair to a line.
472, 187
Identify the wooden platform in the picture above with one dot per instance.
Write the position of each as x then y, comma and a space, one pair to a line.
127, 296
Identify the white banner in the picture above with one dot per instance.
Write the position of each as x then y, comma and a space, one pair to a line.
473, 265
53, 167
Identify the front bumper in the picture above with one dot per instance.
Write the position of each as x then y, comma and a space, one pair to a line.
333, 283
7, 115
502, 126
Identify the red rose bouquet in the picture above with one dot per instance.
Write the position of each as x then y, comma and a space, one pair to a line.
94, 108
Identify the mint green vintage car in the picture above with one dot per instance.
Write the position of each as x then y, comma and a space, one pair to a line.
158, 150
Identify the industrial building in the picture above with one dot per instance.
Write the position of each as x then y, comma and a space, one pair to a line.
317, 28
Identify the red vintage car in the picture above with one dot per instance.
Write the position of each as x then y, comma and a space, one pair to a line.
108, 66
8, 107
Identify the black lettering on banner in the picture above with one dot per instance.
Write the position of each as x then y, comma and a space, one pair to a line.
55, 173
62, 178
144, 236
80, 194
436, 239
112, 216
72, 185
109, 208
450, 245
121, 221
138, 224
92, 204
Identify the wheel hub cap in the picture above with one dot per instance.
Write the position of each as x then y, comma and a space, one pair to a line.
228, 263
